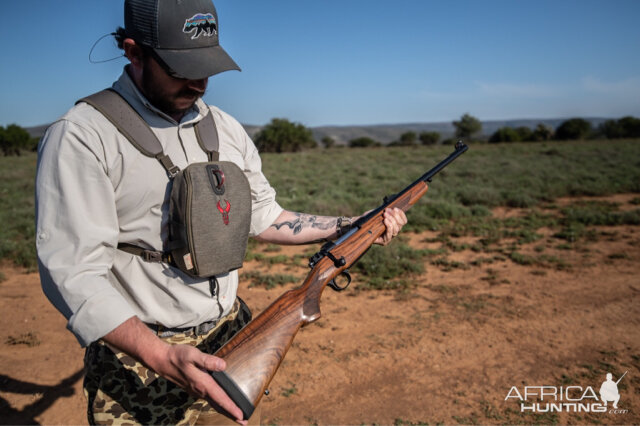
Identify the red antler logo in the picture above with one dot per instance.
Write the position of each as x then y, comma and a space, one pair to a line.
225, 211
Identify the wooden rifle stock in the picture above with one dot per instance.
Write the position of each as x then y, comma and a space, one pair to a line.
254, 354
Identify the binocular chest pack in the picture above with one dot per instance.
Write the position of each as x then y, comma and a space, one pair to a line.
210, 203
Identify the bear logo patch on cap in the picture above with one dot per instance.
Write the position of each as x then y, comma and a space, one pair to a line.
201, 23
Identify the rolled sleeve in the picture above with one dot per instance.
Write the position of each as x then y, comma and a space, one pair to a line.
77, 231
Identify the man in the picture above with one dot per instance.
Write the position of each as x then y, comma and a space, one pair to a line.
609, 391
94, 190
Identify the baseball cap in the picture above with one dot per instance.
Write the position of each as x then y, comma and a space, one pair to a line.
182, 33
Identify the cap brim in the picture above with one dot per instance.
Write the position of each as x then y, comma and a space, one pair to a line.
198, 63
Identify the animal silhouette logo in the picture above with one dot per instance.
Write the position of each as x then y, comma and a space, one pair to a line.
201, 23
225, 211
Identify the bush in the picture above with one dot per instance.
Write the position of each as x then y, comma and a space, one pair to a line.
13, 139
626, 127
363, 142
429, 138
574, 129
610, 129
630, 127
505, 134
525, 133
408, 139
281, 135
328, 142
542, 133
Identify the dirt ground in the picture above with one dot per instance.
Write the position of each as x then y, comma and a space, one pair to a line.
448, 351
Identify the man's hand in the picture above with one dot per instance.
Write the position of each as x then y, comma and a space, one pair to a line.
394, 220
184, 365
188, 367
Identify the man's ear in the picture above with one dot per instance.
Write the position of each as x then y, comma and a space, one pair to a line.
133, 52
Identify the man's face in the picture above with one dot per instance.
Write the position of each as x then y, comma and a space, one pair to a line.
173, 96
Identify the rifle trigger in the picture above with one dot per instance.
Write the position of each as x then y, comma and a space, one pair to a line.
338, 288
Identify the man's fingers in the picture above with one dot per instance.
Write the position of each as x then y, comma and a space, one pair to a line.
392, 228
217, 394
212, 390
398, 216
211, 363
393, 219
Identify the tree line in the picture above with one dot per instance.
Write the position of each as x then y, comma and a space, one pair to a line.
572, 129
282, 135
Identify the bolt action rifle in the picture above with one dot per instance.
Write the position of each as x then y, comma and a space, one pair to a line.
254, 354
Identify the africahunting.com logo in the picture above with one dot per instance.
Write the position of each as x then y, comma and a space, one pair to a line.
569, 399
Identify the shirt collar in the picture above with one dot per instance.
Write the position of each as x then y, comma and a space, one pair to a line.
128, 89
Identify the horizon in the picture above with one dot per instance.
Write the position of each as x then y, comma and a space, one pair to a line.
409, 123
355, 63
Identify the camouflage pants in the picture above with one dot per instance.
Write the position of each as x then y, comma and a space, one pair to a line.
120, 390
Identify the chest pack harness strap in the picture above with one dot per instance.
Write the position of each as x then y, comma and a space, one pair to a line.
128, 122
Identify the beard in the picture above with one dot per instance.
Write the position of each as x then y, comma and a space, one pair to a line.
172, 104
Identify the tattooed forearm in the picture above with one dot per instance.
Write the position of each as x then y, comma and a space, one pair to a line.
303, 220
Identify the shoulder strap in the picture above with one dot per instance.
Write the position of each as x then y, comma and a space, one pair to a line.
126, 119
207, 135
128, 122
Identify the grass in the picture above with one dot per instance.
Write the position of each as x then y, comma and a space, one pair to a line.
29, 339
267, 281
390, 267
287, 392
351, 181
600, 213
17, 232
515, 175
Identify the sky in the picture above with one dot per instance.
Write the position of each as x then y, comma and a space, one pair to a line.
349, 62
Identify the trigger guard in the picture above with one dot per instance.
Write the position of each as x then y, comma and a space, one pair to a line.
336, 287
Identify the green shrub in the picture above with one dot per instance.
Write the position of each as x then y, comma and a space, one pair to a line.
505, 134
14, 139
542, 133
574, 129
280, 135
363, 142
429, 138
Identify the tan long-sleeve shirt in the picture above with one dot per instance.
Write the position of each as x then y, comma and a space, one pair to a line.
94, 189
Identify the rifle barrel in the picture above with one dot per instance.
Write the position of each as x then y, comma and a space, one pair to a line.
460, 148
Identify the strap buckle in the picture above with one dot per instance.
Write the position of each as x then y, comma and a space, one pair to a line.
151, 256
173, 171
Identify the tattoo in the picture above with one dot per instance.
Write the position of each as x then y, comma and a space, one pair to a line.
307, 221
